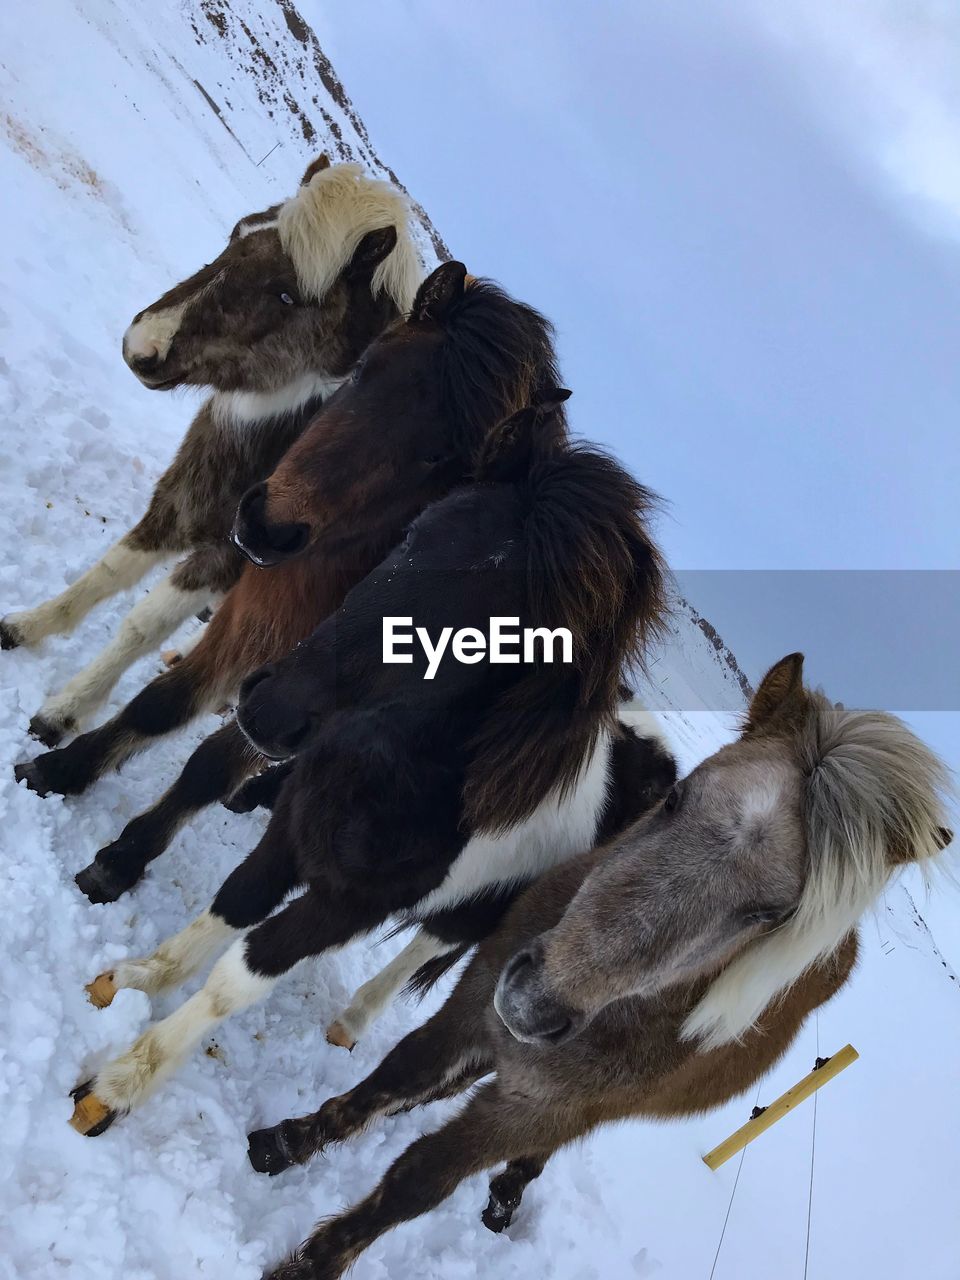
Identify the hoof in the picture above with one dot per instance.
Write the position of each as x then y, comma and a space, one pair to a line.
496, 1217
337, 1034
243, 800
31, 773
295, 1268
101, 990
50, 732
268, 1151
10, 637
91, 1117
100, 884
170, 657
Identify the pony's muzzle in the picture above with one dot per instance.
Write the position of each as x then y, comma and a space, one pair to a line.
261, 541
526, 1007
275, 722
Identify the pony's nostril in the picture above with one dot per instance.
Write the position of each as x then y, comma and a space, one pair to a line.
290, 539
145, 362
522, 960
252, 680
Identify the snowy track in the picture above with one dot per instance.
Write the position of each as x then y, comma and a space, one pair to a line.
118, 179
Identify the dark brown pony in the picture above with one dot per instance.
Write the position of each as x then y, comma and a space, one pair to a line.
400, 804
399, 435
659, 977
272, 326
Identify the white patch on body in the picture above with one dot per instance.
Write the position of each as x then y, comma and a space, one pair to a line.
246, 227
244, 408
555, 831
634, 715
759, 804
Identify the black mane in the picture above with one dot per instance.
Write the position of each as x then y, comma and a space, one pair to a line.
498, 356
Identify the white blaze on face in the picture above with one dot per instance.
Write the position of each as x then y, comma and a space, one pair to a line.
152, 335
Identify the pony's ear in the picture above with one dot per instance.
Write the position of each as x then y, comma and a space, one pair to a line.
550, 399
898, 854
438, 293
315, 166
505, 453
780, 695
371, 251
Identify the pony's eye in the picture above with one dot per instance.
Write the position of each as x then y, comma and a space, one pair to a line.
434, 460
673, 798
767, 915
286, 299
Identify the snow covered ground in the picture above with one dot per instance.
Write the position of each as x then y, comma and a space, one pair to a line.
119, 177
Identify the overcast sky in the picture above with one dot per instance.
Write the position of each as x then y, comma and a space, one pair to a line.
745, 222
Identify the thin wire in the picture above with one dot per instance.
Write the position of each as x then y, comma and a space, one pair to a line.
813, 1156
733, 1192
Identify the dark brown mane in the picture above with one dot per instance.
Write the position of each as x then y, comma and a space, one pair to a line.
498, 355
592, 566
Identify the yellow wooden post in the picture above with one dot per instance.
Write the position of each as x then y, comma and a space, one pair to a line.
778, 1109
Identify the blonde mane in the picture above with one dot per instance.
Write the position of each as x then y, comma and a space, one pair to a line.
321, 226
873, 798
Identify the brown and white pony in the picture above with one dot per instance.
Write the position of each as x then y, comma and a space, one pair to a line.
404, 431
273, 325
658, 977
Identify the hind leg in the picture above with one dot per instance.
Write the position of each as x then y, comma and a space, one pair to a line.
447, 1054
489, 1129
211, 773
121, 568
373, 997
204, 574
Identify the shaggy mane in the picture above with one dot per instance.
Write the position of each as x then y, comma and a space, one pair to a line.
498, 355
321, 226
593, 567
873, 798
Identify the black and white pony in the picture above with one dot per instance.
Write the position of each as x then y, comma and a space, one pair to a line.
432, 801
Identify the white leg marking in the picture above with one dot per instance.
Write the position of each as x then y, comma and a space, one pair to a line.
148, 622
127, 1081
176, 959
373, 997
119, 569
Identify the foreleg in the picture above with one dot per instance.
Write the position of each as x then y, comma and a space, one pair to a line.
506, 1191
166, 703
245, 975
212, 772
263, 791
148, 622
247, 896
487, 1131
446, 1054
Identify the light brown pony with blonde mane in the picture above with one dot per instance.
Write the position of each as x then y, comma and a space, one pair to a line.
658, 977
